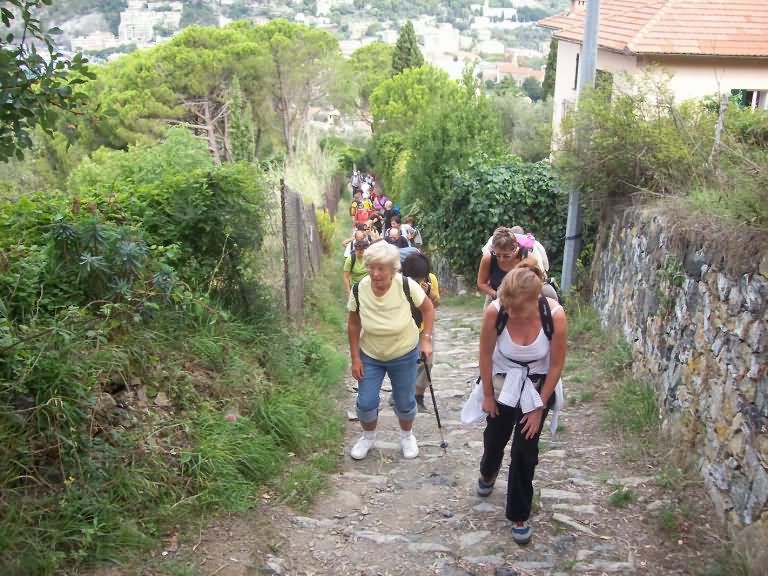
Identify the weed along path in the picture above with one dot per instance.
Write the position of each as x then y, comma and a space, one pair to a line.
603, 505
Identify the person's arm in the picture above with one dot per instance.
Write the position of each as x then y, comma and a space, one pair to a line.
428, 319
347, 241
557, 348
487, 344
354, 326
347, 284
484, 276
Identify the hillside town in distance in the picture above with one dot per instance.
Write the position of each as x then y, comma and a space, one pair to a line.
498, 38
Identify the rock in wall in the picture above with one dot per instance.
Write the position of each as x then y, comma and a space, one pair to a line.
699, 333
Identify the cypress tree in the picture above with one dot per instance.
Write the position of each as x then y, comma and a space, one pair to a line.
548, 86
406, 53
242, 142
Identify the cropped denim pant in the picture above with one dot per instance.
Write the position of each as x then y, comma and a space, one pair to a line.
402, 374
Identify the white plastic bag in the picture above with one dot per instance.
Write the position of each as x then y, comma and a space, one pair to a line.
472, 411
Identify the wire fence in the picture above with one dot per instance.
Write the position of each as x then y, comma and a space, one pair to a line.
302, 249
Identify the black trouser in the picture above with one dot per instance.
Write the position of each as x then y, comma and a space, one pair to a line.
524, 455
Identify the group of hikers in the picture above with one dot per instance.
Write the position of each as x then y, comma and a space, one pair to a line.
392, 297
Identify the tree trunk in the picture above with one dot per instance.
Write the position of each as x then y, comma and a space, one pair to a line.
210, 125
718, 130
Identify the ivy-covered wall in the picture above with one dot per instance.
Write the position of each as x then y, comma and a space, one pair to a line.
699, 333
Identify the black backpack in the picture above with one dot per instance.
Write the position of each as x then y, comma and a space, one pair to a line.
545, 314
415, 312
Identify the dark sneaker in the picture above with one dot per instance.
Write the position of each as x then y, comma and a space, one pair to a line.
484, 488
521, 533
421, 408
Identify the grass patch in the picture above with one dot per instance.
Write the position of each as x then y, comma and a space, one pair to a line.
238, 397
632, 407
621, 497
470, 302
729, 563
581, 397
669, 478
668, 521
617, 357
582, 320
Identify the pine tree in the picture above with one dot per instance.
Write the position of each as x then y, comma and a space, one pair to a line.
548, 86
406, 53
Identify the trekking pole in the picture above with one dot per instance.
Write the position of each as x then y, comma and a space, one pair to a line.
443, 443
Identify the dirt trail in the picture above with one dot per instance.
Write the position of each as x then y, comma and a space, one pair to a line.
390, 516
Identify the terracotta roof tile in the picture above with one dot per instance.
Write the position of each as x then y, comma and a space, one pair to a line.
697, 27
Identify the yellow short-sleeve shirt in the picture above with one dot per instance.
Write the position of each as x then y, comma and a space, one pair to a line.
388, 327
435, 290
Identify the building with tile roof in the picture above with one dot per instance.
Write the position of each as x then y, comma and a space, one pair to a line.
708, 46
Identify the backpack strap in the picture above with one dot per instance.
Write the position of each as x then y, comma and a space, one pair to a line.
415, 312
501, 320
353, 257
355, 293
545, 314
546, 317
407, 292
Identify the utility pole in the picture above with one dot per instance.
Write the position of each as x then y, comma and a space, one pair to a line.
587, 66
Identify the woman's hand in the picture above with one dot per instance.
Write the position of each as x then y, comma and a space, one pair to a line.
357, 369
531, 423
425, 347
489, 405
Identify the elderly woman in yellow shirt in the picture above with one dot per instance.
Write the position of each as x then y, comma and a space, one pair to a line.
384, 340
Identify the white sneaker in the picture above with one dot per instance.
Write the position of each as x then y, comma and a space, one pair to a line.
409, 446
361, 448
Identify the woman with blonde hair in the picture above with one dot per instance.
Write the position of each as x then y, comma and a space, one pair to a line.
384, 339
522, 354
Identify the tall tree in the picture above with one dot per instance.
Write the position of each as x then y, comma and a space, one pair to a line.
532, 88
397, 103
304, 62
406, 53
548, 86
34, 85
369, 66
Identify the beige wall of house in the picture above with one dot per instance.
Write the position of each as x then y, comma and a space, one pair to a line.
691, 77
565, 81
694, 77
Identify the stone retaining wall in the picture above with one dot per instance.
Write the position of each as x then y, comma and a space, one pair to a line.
700, 335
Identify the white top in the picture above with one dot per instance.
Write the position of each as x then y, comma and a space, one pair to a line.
505, 360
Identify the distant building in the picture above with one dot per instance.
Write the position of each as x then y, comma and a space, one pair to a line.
349, 46
490, 47
95, 41
499, 13
498, 71
389, 36
323, 7
452, 64
139, 24
466, 42
443, 38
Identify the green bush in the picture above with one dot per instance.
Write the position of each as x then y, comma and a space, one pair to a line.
493, 193
131, 323
639, 142
326, 226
